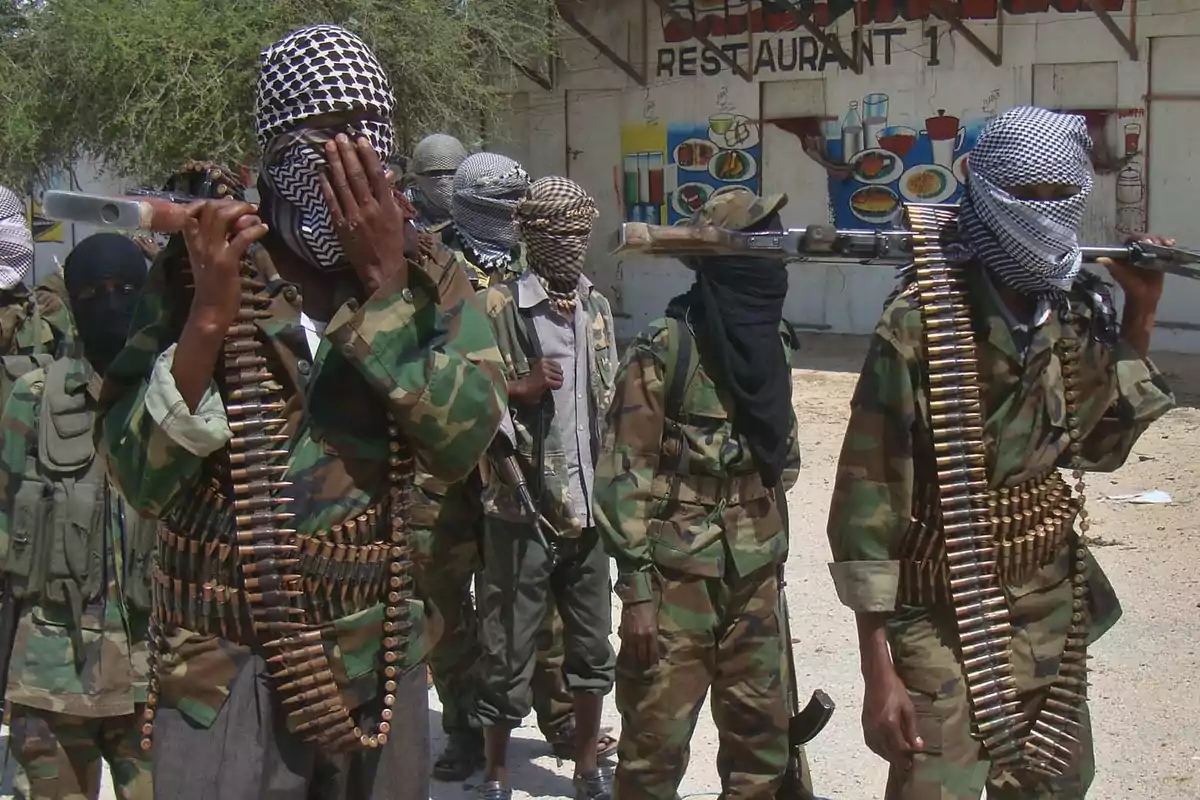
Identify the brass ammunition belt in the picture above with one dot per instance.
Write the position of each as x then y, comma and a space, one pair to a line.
291, 587
973, 539
1029, 523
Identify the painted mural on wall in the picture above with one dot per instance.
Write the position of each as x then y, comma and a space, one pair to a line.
670, 169
1131, 180
892, 159
784, 47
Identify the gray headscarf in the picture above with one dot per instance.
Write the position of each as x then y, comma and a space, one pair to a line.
487, 187
16, 240
434, 162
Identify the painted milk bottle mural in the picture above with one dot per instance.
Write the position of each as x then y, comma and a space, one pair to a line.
895, 161
702, 159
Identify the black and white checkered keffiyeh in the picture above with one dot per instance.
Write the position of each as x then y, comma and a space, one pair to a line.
322, 69
1030, 245
556, 220
16, 240
486, 189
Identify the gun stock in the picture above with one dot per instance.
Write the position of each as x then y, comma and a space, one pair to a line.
678, 241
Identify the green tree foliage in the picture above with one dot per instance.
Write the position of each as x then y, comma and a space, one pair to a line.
143, 85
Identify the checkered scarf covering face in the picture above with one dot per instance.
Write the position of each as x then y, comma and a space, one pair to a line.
16, 240
556, 219
321, 69
486, 189
1030, 245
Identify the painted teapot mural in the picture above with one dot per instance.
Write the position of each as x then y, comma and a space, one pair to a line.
893, 161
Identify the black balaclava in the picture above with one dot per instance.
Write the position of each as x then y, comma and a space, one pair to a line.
736, 307
104, 276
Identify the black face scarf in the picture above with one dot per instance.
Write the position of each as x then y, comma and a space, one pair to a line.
104, 275
736, 307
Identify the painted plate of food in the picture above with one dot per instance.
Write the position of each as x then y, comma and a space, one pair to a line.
928, 183
876, 166
876, 205
688, 198
960, 168
733, 165
693, 155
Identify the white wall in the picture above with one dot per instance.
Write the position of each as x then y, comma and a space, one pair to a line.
49, 256
597, 115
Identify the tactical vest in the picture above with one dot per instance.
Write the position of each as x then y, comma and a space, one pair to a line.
676, 480
61, 512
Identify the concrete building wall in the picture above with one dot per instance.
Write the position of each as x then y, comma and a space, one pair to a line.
791, 117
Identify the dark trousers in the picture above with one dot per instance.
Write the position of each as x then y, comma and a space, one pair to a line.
517, 580
248, 753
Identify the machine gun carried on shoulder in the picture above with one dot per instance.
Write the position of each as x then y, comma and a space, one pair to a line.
824, 243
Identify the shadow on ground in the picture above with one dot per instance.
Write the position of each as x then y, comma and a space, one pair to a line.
525, 773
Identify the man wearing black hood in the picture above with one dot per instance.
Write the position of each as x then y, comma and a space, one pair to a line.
700, 448
77, 677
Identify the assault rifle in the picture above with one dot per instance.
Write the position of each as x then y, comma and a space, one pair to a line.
827, 243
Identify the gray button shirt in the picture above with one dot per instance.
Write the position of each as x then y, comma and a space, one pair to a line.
568, 342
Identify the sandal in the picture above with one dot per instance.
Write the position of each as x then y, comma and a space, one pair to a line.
462, 756
563, 743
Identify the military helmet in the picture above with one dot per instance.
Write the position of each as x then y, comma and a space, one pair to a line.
736, 209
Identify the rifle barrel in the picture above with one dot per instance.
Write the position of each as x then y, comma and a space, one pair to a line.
824, 243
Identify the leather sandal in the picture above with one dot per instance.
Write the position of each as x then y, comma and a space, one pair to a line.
563, 743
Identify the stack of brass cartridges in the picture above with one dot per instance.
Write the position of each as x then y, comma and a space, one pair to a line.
956, 418
1052, 744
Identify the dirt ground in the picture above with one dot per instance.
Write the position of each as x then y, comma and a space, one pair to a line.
1146, 672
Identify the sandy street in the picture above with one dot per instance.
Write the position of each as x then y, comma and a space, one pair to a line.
1146, 672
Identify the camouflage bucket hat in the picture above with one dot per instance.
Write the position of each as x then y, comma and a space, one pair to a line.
737, 209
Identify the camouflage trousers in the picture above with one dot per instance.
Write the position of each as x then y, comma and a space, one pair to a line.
953, 765
61, 755
447, 553
722, 633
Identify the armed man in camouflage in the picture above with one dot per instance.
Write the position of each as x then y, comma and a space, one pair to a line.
448, 522
974, 651
700, 450
448, 519
555, 332
77, 677
346, 353
31, 323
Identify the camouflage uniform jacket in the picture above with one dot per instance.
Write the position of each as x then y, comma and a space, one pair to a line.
480, 279
888, 446
685, 493
423, 352
47, 327
432, 488
46, 672
504, 303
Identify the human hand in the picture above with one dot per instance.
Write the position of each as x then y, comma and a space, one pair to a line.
543, 376
639, 632
218, 233
890, 721
148, 246
367, 219
1143, 288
